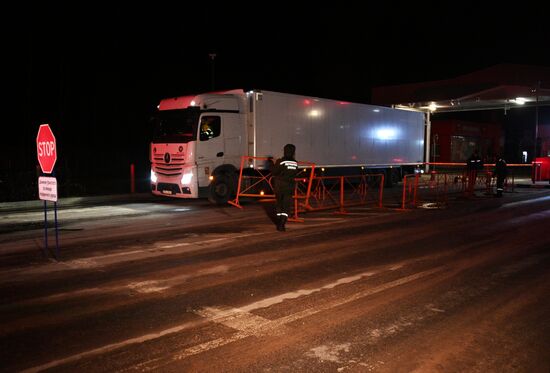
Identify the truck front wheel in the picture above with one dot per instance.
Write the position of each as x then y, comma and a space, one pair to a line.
222, 189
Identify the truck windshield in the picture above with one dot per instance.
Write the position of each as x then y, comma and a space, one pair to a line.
178, 126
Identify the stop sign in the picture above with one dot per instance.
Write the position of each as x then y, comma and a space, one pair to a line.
45, 148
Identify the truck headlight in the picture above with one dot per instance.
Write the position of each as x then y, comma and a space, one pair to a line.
153, 177
186, 178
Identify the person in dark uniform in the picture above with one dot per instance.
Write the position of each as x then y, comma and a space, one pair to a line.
284, 171
473, 165
501, 171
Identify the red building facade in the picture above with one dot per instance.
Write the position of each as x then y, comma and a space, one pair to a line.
455, 140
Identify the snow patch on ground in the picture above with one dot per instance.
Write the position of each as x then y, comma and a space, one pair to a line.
147, 287
81, 263
329, 352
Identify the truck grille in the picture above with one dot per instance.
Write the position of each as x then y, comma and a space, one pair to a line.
168, 170
174, 159
173, 168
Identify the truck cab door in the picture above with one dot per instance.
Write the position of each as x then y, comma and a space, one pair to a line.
234, 138
210, 147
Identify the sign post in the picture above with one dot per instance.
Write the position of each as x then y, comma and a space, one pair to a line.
46, 151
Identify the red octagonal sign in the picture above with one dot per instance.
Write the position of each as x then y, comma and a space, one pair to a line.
46, 149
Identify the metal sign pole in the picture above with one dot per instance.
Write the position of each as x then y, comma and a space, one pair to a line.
45, 230
56, 232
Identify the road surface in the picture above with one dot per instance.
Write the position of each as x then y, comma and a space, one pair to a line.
181, 286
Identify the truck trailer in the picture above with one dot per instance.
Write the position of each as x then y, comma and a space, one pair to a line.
199, 140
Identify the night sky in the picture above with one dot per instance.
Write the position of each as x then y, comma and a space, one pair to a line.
96, 72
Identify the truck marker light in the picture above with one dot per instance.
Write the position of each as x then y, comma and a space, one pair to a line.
186, 178
153, 177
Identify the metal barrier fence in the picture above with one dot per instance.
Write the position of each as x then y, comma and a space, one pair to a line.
514, 170
410, 187
436, 187
339, 192
255, 182
312, 193
316, 193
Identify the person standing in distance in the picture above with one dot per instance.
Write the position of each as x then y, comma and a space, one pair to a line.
501, 171
284, 171
473, 165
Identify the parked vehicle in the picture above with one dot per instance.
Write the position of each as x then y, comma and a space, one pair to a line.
199, 140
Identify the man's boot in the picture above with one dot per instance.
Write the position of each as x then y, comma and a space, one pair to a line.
283, 219
281, 223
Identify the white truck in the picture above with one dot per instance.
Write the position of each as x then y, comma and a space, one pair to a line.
199, 140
